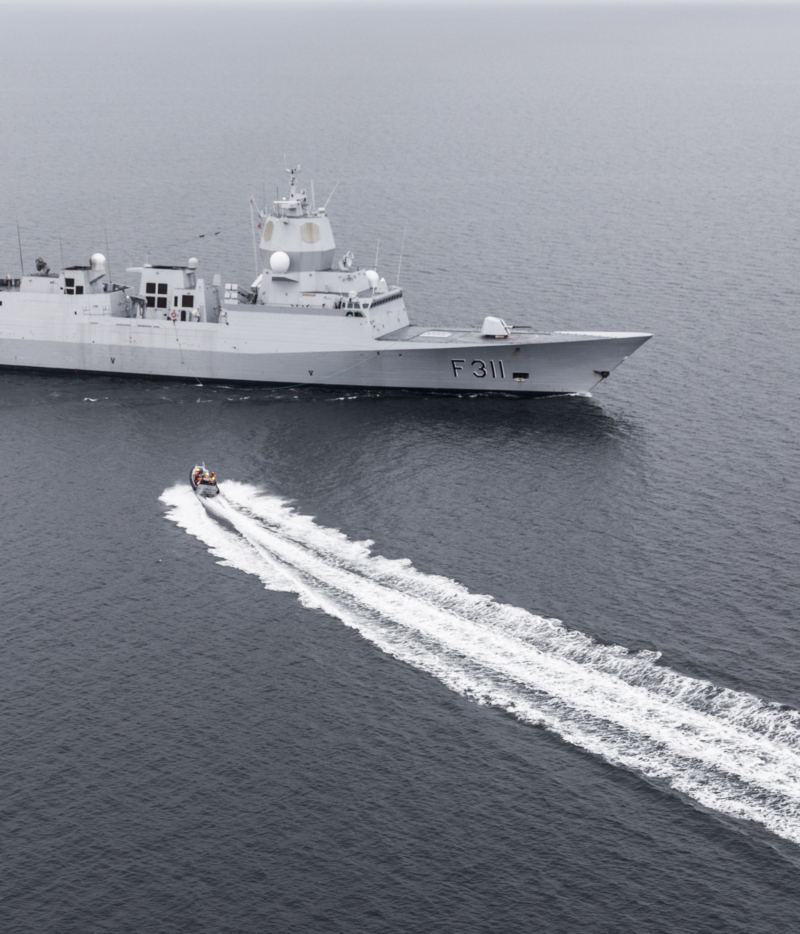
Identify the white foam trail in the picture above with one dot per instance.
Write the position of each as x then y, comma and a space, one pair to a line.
728, 750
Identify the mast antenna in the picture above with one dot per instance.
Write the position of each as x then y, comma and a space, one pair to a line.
377, 250
313, 198
61, 244
19, 241
324, 206
253, 229
400, 262
108, 261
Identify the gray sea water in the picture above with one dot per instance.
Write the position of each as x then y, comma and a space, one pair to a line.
437, 664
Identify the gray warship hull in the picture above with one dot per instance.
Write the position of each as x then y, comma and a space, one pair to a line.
261, 350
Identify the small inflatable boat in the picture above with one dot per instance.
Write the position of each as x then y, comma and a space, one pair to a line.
203, 481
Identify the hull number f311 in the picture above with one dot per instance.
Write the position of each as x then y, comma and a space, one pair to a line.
481, 368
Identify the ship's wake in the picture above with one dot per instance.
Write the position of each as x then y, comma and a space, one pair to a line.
729, 751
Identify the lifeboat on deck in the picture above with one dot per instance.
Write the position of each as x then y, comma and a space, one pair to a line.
204, 482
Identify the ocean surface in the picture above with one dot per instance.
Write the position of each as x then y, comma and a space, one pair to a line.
434, 663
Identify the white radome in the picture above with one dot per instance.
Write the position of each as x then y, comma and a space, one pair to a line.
279, 262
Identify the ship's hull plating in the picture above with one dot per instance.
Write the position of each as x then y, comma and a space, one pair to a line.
249, 351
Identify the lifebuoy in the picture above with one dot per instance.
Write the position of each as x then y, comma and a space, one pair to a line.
174, 315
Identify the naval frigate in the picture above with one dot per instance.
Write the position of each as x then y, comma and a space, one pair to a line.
308, 319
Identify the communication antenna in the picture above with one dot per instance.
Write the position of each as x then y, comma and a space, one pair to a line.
108, 261
313, 198
324, 206
61, 244
253, 228
19, 240
400, 262
377, 249
293, 172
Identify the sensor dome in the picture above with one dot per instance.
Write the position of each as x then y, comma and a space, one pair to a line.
279, 262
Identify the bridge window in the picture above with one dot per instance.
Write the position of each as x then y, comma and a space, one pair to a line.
187, 301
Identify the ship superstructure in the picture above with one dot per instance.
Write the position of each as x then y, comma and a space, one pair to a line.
307, 319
